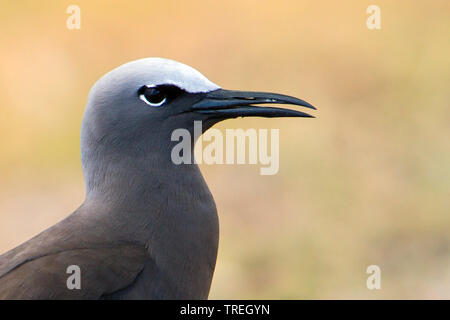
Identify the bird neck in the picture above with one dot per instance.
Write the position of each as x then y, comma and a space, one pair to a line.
140, 195
137, 175
138, 182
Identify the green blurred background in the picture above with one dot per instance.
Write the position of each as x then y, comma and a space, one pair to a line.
366, 182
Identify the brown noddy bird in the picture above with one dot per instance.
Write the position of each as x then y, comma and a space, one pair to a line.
148, 228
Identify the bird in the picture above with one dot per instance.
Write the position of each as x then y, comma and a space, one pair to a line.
148, 228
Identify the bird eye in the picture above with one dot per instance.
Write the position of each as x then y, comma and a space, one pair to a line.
152, 96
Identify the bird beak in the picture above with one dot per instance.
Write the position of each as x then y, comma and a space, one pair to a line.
231, 104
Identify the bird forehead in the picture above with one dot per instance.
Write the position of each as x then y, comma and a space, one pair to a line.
160, 71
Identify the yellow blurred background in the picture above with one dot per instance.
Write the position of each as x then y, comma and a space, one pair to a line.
366, 182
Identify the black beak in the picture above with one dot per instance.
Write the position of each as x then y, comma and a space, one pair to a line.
231, 104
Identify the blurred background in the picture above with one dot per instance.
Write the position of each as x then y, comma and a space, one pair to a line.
366, 182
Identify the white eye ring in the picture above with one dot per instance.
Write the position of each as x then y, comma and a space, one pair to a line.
143, 98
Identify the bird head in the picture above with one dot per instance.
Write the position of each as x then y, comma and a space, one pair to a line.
147, 93
132, 109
